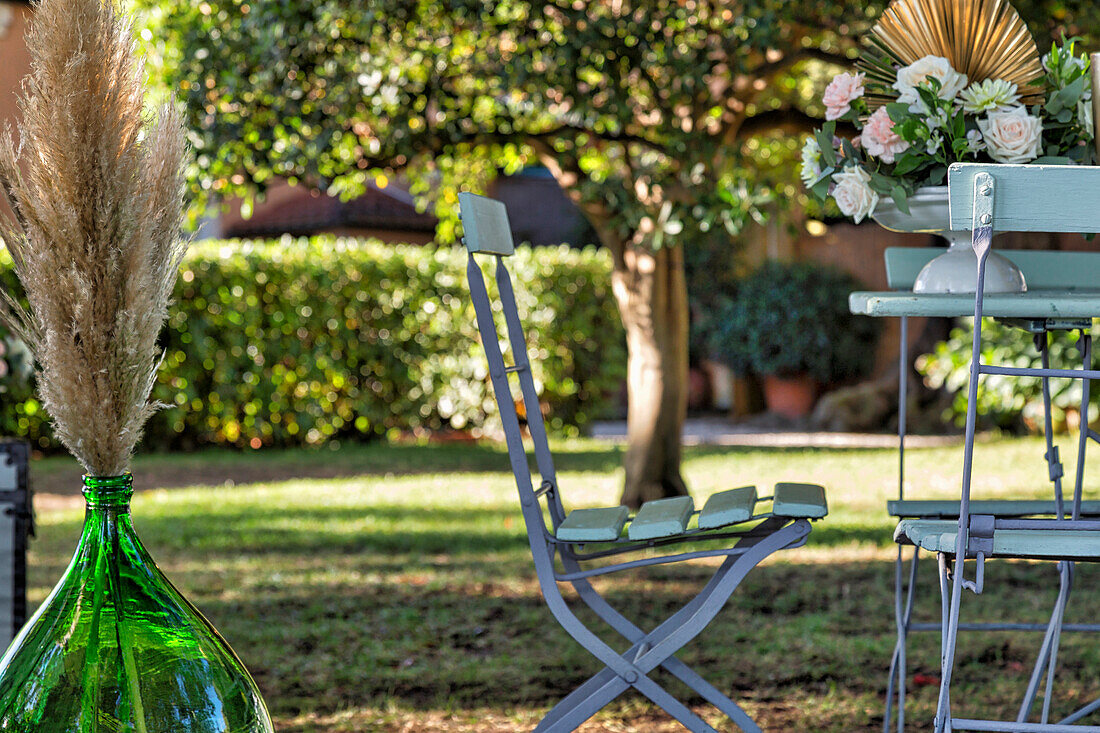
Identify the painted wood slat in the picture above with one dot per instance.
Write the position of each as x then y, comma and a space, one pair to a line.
1030, 198
1032, 304
946, 509
1043, 270
593, 525
485, 224
800, 501
939, 535
728, 507
661, 518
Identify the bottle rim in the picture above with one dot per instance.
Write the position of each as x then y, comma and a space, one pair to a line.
108, 490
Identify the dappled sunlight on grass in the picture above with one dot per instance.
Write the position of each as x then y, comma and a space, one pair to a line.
405, 599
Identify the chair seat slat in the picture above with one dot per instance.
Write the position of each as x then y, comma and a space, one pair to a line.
604, 524
947, 508
940, 535
661, 518
728, 507
799, 501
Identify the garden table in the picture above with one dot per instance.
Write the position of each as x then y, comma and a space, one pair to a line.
1063, 294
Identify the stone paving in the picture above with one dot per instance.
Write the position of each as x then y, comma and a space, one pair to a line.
773, 432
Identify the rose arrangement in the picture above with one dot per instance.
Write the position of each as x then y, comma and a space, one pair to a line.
932, 116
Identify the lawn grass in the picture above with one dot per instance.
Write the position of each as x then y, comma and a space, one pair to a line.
390, 587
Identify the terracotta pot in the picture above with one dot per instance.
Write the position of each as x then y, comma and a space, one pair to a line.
790, 396
698, 389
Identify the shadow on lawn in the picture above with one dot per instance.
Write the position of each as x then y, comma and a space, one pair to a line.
214, 467
388, 529
790, 631
331, 614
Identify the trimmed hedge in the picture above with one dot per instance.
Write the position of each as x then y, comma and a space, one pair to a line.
296, 341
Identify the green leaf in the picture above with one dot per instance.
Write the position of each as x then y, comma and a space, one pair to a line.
824, 138
901, 199
907, 164
821, 188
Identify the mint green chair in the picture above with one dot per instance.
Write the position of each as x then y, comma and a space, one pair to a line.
1013, 198
569, 548
1062, 296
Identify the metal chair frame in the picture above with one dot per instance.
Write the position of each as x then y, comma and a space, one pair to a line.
558, 562
905, 581
976, 185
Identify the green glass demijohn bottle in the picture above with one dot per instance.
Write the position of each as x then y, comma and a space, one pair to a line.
115, 648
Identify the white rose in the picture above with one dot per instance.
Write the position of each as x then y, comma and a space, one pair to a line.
911, 76
1013, 136
853, 194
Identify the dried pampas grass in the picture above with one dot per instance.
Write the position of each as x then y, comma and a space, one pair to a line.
97, 191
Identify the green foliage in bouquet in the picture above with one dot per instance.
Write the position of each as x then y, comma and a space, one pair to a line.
935, 118
792, 319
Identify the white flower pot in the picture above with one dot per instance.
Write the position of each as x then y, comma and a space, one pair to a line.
956, 270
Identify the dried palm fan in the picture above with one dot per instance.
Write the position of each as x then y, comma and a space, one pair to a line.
984, 39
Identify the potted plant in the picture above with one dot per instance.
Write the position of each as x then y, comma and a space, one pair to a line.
930, 90
789, 323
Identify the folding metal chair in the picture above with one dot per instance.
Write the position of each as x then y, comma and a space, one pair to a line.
1013, 198
1053, 277
574, 547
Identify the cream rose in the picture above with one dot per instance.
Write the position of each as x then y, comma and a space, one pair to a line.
913, 75
841, 92
1013, 136
879, 138
853, 193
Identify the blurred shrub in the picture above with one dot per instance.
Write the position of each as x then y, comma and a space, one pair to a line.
791, 319
1008, 403
296, 342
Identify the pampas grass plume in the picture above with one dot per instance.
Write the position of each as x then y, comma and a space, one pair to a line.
96, 188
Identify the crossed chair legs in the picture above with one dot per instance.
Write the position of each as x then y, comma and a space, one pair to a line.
647, 652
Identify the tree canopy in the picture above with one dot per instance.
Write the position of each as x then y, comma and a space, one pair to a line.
649, 113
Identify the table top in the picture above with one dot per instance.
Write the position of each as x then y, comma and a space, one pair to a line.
1046, 304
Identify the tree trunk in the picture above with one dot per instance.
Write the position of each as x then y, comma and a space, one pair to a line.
651, 291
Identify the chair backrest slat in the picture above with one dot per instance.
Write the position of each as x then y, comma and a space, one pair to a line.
1030, 198
487, 231
1043, 270
485, 223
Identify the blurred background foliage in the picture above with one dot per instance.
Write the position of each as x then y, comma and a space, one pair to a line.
1008, 403
792, 320
298, 342
339, 95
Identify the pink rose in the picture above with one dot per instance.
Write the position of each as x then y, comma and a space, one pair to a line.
841, 92
879, 138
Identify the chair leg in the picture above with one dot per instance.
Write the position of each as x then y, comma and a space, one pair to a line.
657, 649
1048, 650
675, 708
674, 666
583, 703
951, 596
711, 694
903, 615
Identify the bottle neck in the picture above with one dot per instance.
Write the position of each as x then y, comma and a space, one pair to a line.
109, 493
